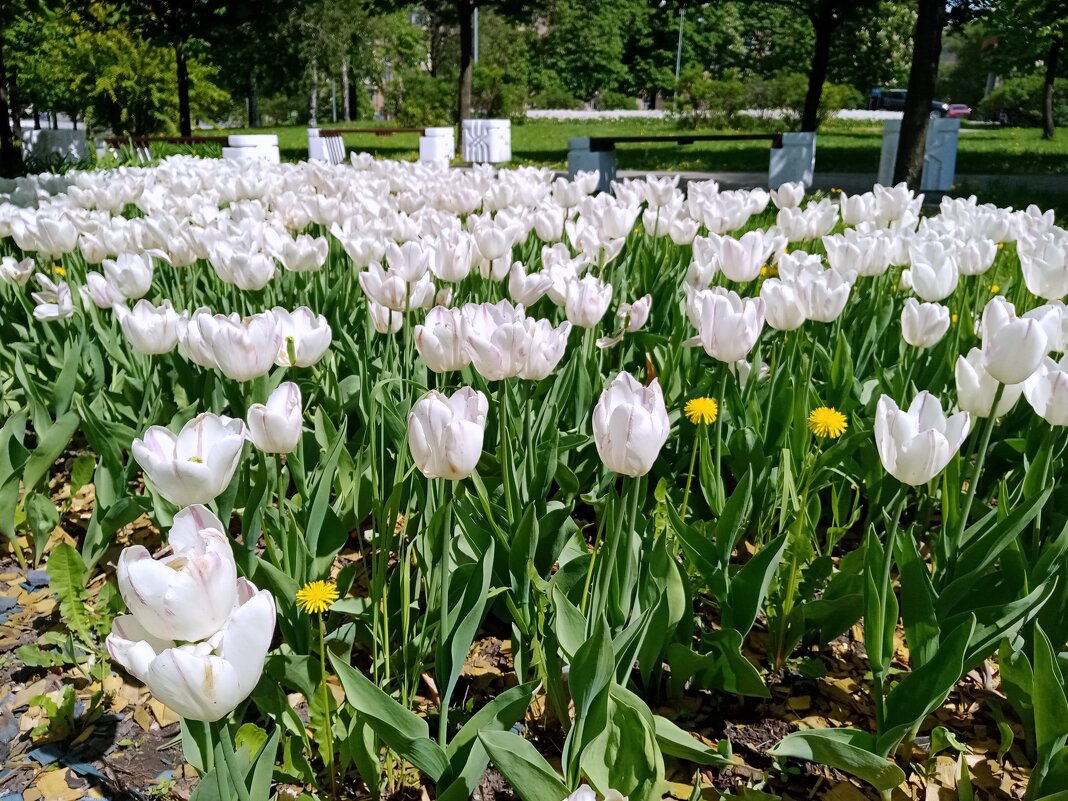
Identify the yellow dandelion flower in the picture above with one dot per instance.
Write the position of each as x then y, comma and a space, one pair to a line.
1001, 245
317, 596
702, 410
764, 270
954, 318
60, 271
826, 422
995, 289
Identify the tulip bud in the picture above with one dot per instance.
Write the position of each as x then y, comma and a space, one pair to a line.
916, 445
630, 425
1012, 346
385, 321
195, 465
99, 292
545, 349
275, 427
527, 289
924, 324
976, 387
445, 433
13, 271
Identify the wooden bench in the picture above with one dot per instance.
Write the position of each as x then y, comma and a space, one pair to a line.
142, 145
588, 153
334, 144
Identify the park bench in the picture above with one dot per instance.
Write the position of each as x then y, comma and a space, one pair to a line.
598, 153
142, 145
334, 145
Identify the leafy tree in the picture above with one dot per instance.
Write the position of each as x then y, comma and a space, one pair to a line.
826, 17
585, 45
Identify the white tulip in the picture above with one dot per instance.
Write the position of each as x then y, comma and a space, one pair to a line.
630, 425
728, 326
916, 445
190, 594
1047, 391
445, 433
781, 305
206, 680
304, 336
923, 324
587, 300
976, 387
151, 330
1012, 346
442, 340
195, 465
275, 427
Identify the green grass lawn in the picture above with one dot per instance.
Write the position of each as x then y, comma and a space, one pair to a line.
841, 147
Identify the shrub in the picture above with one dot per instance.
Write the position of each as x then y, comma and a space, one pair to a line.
786, 93
704, 101
1018, 101
554, 97
416, 99
612, 101
496, 94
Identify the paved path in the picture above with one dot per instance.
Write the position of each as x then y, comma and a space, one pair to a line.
853, 182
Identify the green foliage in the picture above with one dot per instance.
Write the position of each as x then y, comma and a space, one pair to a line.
1018, 101
415, 98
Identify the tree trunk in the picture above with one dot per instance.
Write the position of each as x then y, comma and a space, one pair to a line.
36, 119
926, 49
346, 109
464, 11
824, 24
14, 104
314, 108
8, 155
1052, 61
54, 119
253, 100
185, 123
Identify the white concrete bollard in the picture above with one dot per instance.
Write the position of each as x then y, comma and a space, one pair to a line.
45, 145
437, 144
253, 146
487, 141
939, 156
794, 161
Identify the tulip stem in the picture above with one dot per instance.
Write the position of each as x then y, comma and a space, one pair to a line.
326, 707
446, 539
973, 483
689, 476
593, 560
506, 456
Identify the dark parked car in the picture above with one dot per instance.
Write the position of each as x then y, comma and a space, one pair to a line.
894, 100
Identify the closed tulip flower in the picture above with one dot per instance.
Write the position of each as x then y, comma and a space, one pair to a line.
526, 288
822, 294
196, 464
445, 433
924, 324
1044, 263
442, 340
1012, 346
275, 427
976, 257
130, 274
916, 445
99, 292
587, 300
788, 195
976, 388
741, 259
384, 321
498, 340
545, 349
728, 326
303, 254
1047, 391
935, 280
630, 425
304, 336
245, 349
205, 680
149, 329
781, 305
190, 594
